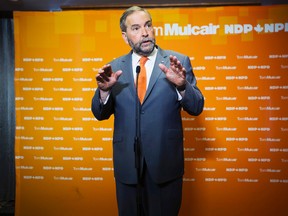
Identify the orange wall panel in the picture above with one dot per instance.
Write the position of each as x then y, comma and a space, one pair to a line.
236, 151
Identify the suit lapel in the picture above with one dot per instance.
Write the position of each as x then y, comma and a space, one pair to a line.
156, 72
127, 75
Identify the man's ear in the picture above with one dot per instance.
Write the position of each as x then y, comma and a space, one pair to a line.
124, 36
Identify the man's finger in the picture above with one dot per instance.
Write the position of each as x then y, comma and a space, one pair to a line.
163, 68
118, 74
99, 79
104, 76
107, 70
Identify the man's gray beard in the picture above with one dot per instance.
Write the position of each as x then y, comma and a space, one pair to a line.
137, 48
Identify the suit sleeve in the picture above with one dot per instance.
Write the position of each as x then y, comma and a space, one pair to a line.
101, 111
193, 100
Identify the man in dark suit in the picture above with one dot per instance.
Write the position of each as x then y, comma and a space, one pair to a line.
171, 86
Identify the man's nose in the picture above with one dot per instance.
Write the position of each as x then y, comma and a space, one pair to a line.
144, 31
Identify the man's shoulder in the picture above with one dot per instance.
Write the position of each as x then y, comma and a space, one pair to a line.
172, 52
121, 58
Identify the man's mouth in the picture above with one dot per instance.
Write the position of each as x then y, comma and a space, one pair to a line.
147, 42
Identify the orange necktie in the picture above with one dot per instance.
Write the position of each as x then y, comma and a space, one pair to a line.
142, 79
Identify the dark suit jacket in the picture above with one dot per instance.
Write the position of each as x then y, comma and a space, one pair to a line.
160, 123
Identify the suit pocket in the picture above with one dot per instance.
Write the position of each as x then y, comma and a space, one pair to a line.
118, 144
117, 138
175, 134
174, 150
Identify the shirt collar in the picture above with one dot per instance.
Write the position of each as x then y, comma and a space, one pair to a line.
136, 57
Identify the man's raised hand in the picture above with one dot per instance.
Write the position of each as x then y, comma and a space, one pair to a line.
106, 78
176, 73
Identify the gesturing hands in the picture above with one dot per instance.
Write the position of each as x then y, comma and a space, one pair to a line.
106, 78
176, 73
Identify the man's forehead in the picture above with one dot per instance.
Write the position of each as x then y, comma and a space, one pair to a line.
138, 17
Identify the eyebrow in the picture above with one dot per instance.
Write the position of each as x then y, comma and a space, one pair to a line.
146, 23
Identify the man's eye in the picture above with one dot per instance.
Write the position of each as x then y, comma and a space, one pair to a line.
135, 28
148, 26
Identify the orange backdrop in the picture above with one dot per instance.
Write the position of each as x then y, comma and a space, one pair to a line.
236, 152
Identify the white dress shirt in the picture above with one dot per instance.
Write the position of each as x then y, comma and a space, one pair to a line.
148, 65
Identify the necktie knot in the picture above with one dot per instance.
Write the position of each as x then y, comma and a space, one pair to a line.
143, 60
